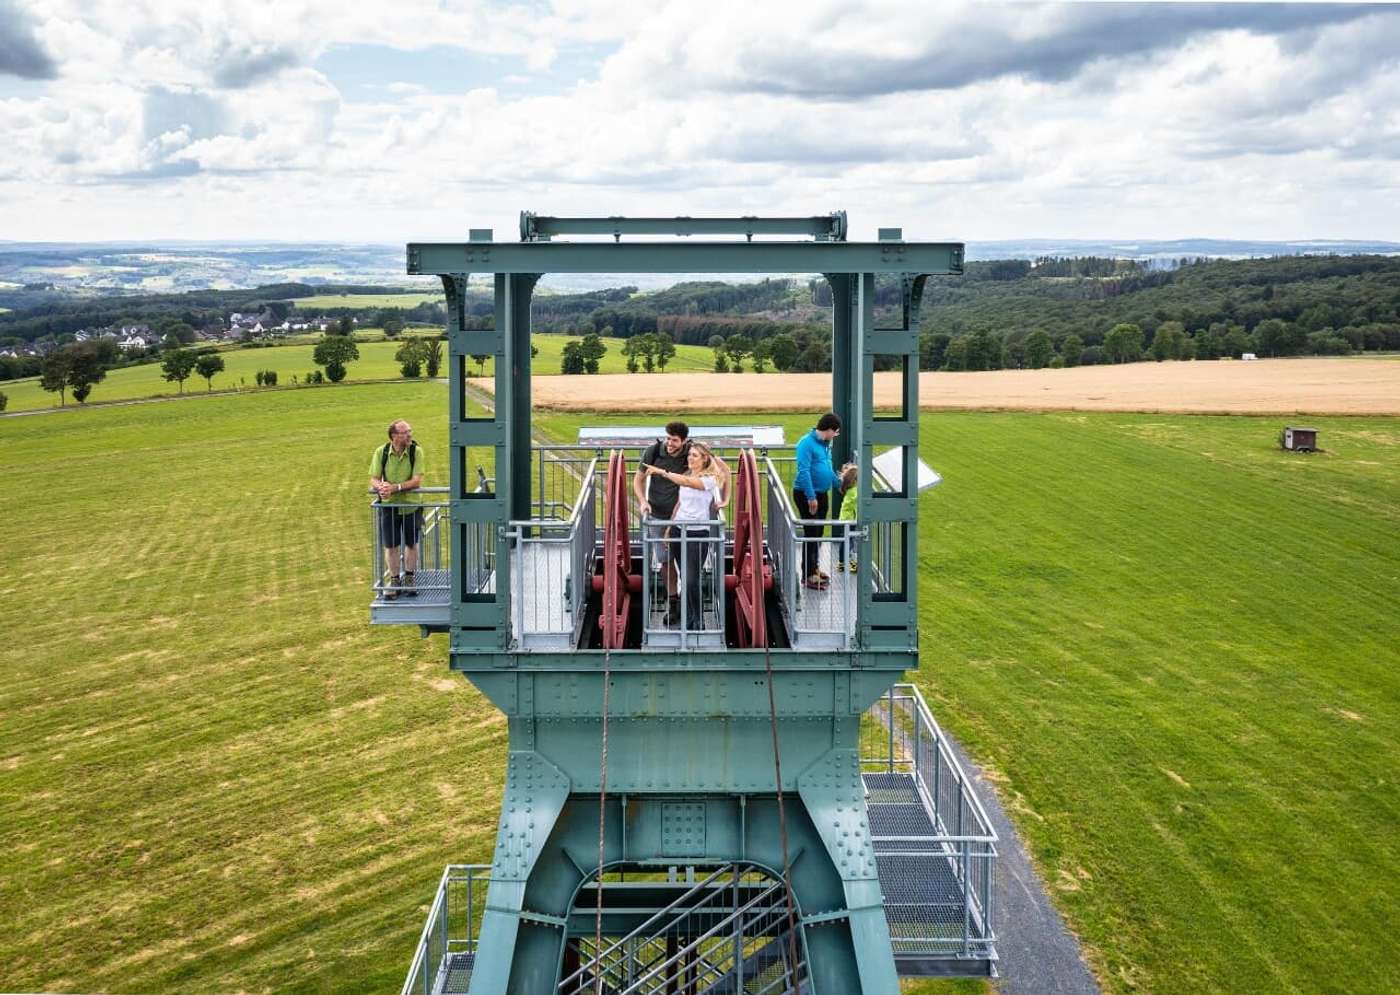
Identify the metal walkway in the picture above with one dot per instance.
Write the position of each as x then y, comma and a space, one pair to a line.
429, 607
921, 877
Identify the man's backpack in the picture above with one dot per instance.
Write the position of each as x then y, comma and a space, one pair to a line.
384, 457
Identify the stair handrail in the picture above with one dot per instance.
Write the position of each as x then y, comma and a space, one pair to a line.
689, 893
723, 923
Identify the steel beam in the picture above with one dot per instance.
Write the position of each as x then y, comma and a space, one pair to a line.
828, 226
932, 258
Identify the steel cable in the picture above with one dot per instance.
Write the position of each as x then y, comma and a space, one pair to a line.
782, 823
602, 822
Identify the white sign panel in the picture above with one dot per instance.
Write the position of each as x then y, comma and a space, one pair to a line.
889, 467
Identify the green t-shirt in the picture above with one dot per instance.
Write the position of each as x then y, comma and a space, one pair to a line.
396, 469
848, 506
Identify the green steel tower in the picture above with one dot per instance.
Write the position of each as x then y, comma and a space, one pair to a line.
684, 808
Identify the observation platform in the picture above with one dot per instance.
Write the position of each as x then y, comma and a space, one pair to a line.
935, 856
556, 556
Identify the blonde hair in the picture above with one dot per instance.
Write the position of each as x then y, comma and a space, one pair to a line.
711, 459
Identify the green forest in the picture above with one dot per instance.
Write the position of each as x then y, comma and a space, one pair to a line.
1008, 313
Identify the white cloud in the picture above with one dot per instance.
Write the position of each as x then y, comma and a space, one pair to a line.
1208, 121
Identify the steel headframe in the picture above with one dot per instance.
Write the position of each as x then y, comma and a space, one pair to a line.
690, 776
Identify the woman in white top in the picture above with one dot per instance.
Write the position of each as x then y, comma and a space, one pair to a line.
699, 491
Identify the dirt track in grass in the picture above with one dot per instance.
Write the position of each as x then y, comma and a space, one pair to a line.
1273, 387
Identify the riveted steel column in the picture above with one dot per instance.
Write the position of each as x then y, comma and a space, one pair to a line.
888, 618
843, 377
477, 618
513, 389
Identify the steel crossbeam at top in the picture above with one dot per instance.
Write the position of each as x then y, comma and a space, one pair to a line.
823, 227
928, 258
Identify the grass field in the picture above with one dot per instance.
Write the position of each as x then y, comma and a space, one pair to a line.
376, 362
1173, 647
366, 302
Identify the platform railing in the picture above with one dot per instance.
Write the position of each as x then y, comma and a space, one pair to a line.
552, 559
821, 614
449, 938
697, 551
430, 505
900, 736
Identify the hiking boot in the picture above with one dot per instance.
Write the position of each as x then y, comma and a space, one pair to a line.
410, 585
390, 589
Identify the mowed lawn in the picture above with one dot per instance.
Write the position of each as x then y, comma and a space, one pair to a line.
1173, 647
376, 362
1176, 651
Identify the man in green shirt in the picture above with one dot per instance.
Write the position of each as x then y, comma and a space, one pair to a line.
395, 469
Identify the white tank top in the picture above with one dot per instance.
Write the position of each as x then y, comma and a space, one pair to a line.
694, 505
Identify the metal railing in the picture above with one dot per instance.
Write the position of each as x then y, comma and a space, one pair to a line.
447, 947
429, 506
727, 931
552, 558
952, 843
695, 550
820, 614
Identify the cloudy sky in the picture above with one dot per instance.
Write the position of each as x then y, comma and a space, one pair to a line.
335, 119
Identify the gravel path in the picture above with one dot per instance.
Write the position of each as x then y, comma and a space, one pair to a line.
1038, 955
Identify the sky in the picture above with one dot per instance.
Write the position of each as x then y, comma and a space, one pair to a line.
308, 120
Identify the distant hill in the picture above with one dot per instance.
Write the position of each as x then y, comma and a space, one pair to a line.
1169, 252
165, 267
1012, 311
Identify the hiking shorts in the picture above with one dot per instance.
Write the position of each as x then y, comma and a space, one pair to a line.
399, 528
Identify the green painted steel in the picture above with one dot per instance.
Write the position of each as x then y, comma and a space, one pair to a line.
829, 226
933, 258
690, 771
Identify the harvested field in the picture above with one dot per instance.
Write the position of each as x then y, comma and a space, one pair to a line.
1271, 386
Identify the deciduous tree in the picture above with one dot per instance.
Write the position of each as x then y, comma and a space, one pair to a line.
737, 347
334, 352
592, 349
782, 350
1171, 342
410, 355
177, 366
761, 354
208, 365
665, 350
53, 374
1123, 343
572, 361
1039, 349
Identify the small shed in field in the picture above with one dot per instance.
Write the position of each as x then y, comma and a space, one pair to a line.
1299, 439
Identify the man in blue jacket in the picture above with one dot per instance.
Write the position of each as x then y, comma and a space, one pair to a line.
811, 489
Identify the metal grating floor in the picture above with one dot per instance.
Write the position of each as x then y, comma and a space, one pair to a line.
825, 618
430, 607
919, 878
456, 975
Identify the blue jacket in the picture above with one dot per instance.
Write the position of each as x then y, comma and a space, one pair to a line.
814, 472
